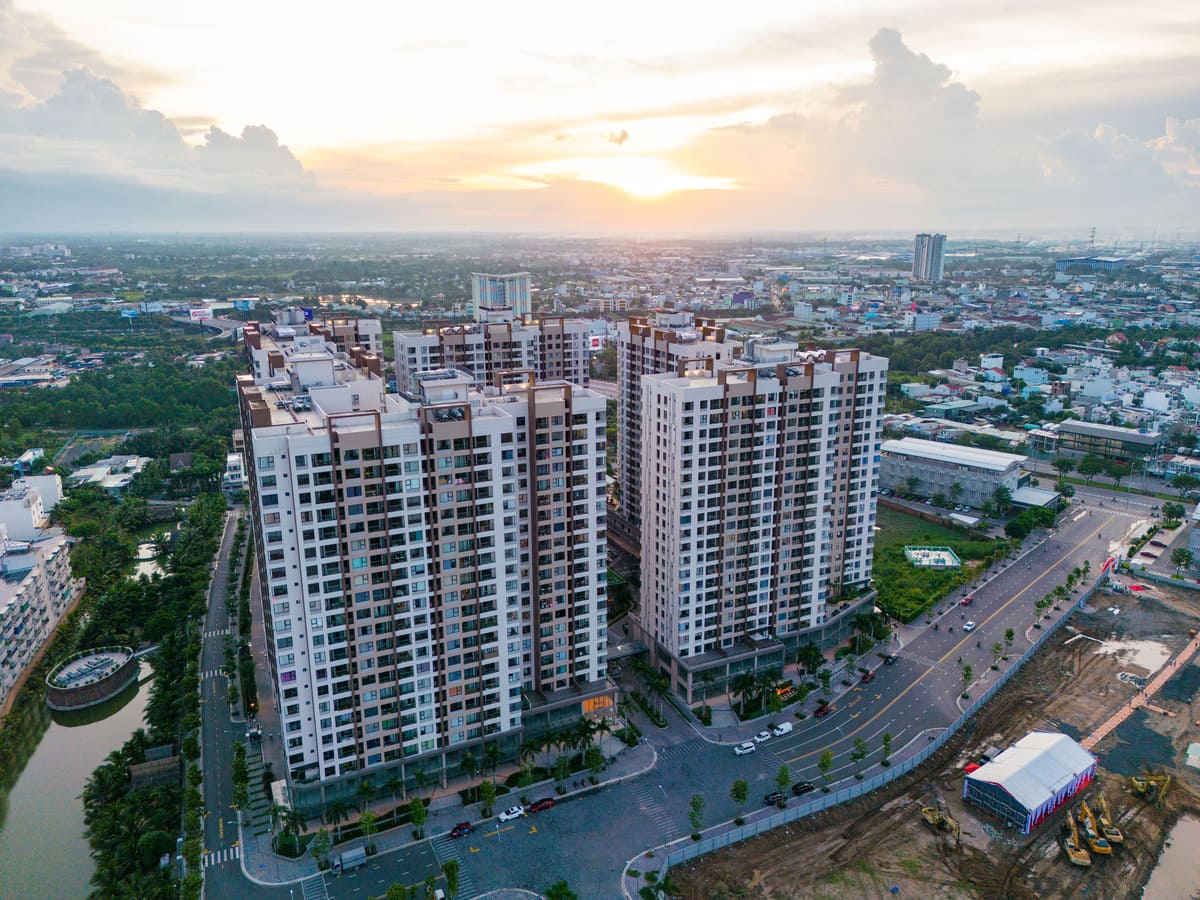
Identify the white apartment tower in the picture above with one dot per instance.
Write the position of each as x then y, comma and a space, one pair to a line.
928, 257
647, 345
551, 347
432, 563
511, 290
757, 504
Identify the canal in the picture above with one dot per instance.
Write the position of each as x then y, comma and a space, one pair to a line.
43, 851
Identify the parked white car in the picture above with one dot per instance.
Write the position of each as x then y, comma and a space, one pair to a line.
762, 736
782, 728
747, 747
513, 812
969, 627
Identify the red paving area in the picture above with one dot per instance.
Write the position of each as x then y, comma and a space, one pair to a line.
1142, 698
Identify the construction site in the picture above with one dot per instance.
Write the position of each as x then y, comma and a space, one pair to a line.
1111, 680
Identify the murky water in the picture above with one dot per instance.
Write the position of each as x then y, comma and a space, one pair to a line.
43, 852
1177, 874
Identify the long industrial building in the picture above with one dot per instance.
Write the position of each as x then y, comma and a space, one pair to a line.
961, 474
758, 478
432, 562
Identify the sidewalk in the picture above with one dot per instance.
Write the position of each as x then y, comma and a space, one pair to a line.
260, 864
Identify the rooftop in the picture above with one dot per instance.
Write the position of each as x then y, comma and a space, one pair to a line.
977, 457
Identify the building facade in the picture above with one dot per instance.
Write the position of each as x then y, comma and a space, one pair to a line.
757, 501
551, 347
36, 590
938, 467
648, 345
929, 253
511, 290
1078, 438
432, 565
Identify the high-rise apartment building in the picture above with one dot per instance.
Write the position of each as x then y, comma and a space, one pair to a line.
551, 347
432, 563
757, 504
511, 290
646, 345
928, 257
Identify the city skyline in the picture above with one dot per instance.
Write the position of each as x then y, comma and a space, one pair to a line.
144, 116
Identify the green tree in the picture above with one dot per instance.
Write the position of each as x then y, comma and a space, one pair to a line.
1117, 471
487, 797
492, 756
739, 793
825, 676
1002, 499
468, 764
696, 813
1090, 466
320, 846
418, 815
967, 675
1181, 558
887, 747
1173, 511
397, 891
783, 779
1184, 482
1009, 637
450, 870
562, 771
956, 491
560, 891
859, 753
1063, 465
913, 483
997, 653
369, 824
824, 766
335, 812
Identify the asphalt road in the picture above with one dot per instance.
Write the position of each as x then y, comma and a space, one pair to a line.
587, 841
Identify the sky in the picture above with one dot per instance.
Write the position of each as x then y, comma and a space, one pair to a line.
637, 118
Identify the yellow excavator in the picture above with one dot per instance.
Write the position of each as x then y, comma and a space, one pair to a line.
939, 820
1076, 855
1108, 826
1151, 788
1091, 832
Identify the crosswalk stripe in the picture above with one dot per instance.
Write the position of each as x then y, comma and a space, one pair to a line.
226, 854
446, 847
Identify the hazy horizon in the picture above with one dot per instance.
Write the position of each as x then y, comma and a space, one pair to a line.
633, 120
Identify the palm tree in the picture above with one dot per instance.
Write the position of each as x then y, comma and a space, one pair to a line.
393, 785
707, 679
742, 685
468, 764
366, 793
335, 812
492, 757
603, 727
420, 779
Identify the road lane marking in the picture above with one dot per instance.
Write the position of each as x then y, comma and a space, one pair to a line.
965, 640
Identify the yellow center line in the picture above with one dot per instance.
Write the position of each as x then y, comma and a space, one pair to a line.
959, 645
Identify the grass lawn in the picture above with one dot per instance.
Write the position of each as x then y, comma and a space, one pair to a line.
898, 529
906, 591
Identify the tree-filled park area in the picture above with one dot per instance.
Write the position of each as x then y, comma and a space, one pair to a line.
905, 590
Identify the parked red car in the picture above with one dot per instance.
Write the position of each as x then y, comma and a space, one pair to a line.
542, 805
822, 711
461, 829
966, 601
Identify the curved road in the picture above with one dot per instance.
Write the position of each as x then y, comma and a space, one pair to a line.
588, 840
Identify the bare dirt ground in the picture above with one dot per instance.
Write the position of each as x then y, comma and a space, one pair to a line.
880, 847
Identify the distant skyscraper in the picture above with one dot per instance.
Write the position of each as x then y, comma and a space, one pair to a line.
510, 290
928, 257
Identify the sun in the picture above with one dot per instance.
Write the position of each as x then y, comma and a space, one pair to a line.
644, 177
648, 177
